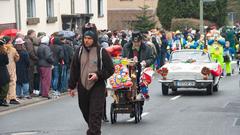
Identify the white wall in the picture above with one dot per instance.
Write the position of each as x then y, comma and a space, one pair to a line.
60, 7
7, 11
101, 22
80, 6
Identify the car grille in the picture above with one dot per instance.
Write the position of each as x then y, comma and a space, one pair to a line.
184, 76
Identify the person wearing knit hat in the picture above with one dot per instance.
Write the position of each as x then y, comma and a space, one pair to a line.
45, 40
90, 34
91, 66
45, 63
7, 39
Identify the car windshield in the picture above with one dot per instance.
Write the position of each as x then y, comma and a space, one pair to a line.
189, 56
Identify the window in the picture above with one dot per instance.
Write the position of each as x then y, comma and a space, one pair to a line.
100, 8
88, 6
31, 8
50, 8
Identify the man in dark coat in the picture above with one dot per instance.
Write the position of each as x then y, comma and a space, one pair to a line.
90, 68
137, 50
58, 56
4, 76
30, 40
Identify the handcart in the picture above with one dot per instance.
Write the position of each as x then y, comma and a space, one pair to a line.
125, 99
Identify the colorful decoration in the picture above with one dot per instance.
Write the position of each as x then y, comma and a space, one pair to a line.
163, 72
120, 78
217, 72
115, 50
145, 80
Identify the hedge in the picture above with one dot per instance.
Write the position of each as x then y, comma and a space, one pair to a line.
182, 23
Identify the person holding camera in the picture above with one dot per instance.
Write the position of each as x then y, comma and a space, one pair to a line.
90, 68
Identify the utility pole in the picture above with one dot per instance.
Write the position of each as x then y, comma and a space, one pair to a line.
17, 14
201, 14
201, 17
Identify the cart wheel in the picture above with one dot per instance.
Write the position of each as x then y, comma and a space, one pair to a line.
113, 114
137, 112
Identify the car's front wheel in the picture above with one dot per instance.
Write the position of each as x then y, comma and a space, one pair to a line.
164, 89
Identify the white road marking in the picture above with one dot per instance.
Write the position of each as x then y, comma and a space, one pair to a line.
25, 133
143, 114
176, 97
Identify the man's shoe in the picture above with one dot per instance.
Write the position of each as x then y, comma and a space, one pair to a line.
4, 103
14, 101
28, 97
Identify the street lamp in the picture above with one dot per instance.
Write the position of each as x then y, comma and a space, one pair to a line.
201, 14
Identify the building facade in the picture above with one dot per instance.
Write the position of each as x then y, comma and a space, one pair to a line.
122, 13
52, 15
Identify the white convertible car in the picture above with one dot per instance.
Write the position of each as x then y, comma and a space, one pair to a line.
190, 69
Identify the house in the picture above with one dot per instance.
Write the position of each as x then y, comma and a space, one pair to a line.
122, 13
52, 15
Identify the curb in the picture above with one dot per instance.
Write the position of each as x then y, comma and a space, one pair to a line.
35, 101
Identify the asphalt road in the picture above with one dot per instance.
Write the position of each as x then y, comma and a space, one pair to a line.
186, 112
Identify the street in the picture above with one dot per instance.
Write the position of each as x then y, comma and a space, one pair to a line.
186, 112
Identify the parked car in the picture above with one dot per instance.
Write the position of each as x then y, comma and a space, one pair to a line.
190, 69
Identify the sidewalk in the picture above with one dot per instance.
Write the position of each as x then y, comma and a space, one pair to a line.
25, 102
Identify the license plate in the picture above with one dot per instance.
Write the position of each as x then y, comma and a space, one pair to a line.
185, 83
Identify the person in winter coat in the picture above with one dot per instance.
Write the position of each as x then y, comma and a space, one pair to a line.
30, 42
58, 56
228, 55
90, 68
13, 57
105, 40
163, 49
45, 61
68, 53
22, 67
141, 53
123, 40
4, 75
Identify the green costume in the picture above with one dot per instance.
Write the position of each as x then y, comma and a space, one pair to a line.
216, 52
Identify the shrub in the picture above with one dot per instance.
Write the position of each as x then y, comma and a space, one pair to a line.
182, 23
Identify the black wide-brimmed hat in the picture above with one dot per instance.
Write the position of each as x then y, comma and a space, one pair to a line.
136, 36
